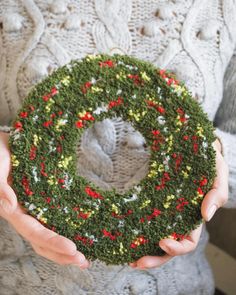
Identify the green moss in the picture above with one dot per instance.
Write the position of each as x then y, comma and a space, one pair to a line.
102, 224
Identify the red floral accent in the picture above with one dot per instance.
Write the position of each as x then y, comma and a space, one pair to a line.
87, 117
182, 202
83, 215
59, 148
160, 109
164, 179
47, 200
158, 140
199, 190
18, 125
182, 115
139, 241
47, 123
75, 208
32, 155
115, 103
195, 144
180, 237
25, 183
122, 216
86, 86
169, 80
79, 124
178, 162
156, 106
84, 240
185, 137
42, 170
52, 93
109, 234
93, 194
107, 63
156, 212
203, 182
155, 132
23, 114
31, 108
136, 79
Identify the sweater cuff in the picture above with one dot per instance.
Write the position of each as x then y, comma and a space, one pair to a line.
228, 141
6, 129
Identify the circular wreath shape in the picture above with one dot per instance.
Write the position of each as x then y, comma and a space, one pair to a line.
105, 225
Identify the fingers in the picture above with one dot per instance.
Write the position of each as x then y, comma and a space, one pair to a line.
218, 195
34, 232
61, 259
8, 200
187, 245
172, 248
150, 261
5, 158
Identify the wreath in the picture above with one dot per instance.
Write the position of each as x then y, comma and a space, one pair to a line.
105, 225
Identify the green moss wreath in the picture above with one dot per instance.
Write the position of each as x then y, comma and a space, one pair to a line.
104, 224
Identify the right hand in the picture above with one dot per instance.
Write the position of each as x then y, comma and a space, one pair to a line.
44, 241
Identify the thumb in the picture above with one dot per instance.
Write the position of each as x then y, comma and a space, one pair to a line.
8, 200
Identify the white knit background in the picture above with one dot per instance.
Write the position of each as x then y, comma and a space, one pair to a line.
195, 39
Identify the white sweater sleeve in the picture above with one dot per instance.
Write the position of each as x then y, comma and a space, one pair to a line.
229, 150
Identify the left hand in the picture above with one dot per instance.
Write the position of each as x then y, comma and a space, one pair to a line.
213, 200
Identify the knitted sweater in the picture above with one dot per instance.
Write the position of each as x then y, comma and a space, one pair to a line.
194, 39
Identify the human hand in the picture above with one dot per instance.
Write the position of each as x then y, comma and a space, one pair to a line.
214, 199
44, 241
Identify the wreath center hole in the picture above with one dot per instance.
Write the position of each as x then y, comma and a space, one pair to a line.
112, 154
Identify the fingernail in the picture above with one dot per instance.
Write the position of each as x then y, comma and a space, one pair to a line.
211, 212
166, 248
5, 204
81, 261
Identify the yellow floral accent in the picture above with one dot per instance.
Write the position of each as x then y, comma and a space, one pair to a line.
186, 173
137, 115
52, 180
60, 123
122, 249
64, 162
115, 208
199, 130
197, 198
168, 201
43, 219
36, 139
152, 173
178, 122
81, 114
49, 104
96, 89
145, 76
121, 75
170, 142
92, 56
179, 89
161, 168
145, 204
14, 161
66, 81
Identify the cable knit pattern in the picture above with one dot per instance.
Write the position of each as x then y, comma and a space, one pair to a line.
195, 39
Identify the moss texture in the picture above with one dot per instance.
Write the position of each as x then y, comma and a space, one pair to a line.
105, 225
